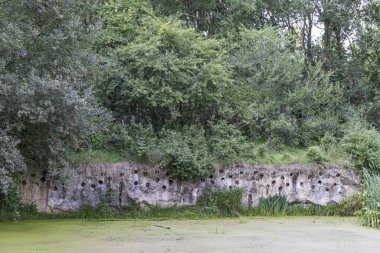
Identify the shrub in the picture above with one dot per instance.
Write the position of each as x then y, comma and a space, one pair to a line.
132, 140
284, 130
314, 128
328, 141
224, 203
10, 204
315, 154
227, 142
364, 147
185, 154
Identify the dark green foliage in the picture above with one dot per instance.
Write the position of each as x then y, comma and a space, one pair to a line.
185, 154
11, 162
227, 142
223, 203
364, 147
10, 204
167, 75
46, 102
279, 97
133, 141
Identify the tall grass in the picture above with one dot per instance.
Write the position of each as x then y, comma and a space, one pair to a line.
273, 206
371, 204
222, 203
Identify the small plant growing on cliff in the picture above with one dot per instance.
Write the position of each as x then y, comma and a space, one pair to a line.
315, 154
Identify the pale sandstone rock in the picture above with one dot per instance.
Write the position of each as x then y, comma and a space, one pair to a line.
121, 183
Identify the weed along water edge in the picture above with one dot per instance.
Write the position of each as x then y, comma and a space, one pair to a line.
291, 234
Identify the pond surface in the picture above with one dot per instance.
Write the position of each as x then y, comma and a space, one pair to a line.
204, 236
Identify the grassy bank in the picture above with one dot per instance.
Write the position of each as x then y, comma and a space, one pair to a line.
272, 207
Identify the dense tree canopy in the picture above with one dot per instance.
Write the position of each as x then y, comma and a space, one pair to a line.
186, 83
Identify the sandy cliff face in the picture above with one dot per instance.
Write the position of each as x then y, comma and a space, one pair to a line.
121, 183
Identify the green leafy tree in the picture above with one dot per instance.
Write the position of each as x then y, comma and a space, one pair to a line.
167, 75
287, 100
45, 82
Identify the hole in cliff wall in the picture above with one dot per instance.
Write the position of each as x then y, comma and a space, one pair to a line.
43, 179
223, 179
273, 182
55, 188
93, 186
221, 171
186, 190
164, 187
268, 185
157, 180
147, 184
241, 172
287, 184
255, 172
83, 184
23, 182
327, 189
321, 173
230, 176
301, 184
211, 176
145, 173
136, 183
171, 182
212, 182
280, 188
122, 174
282, 177
261, 175
135, 171
291, 174
237, 182
338, 175
100, 182
319, 182
335, 184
